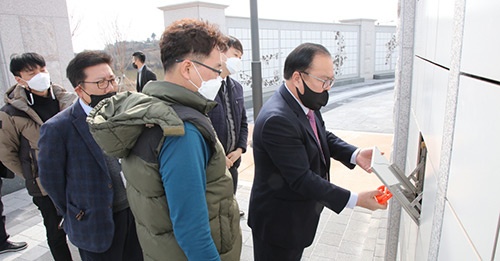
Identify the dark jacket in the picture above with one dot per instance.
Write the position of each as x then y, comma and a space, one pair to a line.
74, 173
146, 76
291, 184
218, 116
19, 133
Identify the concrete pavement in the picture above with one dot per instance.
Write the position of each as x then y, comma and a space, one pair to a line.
354, 234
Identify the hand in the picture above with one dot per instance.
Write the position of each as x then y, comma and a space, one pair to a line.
367, 200
229, 163
235, 155
364, 159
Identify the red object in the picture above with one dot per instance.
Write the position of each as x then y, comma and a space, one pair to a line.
386, 195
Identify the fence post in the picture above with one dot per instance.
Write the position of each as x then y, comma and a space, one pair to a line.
366, 46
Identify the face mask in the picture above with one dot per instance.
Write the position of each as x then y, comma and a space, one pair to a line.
311, 99
134, 65
234, 65
208, 88
95, 99
39, 82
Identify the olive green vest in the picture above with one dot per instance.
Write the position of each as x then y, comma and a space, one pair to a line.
133, 126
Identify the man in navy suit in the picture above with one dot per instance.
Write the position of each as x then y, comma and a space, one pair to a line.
292, 151
85, 184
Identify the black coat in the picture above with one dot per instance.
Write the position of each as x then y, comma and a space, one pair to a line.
219, 114
291, 184
146, 76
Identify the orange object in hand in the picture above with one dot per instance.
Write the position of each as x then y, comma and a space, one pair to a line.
386, 195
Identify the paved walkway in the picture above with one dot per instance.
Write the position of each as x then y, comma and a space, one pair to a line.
356, 234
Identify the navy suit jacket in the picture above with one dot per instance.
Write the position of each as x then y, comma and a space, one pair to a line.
291, 184
74, 173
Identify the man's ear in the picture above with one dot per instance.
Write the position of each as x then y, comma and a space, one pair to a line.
297, 81
184, 67
78, 91
19, 80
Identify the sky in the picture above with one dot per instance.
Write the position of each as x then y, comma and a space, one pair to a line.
92, 21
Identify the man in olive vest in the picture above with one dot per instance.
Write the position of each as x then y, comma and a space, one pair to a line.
178, 186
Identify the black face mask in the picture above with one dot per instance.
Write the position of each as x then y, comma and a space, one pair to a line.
95, 99
134, 65
311, 99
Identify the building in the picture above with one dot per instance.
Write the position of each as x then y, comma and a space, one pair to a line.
35, 26
446, 118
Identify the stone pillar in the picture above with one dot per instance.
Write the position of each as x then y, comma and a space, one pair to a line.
367, 46
402, 108
35, 26
213, 13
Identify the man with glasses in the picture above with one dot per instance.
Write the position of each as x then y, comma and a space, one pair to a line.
85, 184
178, 186
292, 151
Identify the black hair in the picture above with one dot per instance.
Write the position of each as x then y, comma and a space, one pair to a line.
85, 59
235, 43
301, 57
25, 61
140, 55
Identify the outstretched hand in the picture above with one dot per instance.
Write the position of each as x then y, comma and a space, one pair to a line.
367, 200
364, 159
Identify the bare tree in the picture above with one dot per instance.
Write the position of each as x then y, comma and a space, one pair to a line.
114, 36
74, 22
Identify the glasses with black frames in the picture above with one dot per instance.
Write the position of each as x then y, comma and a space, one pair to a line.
204, 65
103, 84
326, 83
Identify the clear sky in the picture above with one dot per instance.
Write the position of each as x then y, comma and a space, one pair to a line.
137, 20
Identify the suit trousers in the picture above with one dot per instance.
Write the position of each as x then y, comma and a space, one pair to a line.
56, 237
3, 233
125, 245
264, 251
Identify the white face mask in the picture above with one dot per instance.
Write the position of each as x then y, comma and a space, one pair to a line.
234, 65
39, 82
210, 88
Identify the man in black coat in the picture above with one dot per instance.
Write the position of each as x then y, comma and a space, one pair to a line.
144, 74
292, 151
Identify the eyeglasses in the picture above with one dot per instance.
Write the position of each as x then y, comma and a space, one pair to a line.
204, 65
326, 83
103, 84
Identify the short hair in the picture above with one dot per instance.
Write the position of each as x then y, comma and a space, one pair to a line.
140, 55
25, 61
235, 43
301, 57
85, 59
187, 38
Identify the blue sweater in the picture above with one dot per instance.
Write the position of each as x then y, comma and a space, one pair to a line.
182, 163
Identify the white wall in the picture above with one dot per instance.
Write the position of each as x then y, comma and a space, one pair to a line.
35, 26
469, 104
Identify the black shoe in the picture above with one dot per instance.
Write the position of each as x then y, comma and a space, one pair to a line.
242, 213
9, 246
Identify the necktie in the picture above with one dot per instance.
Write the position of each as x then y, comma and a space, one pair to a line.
312, 122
